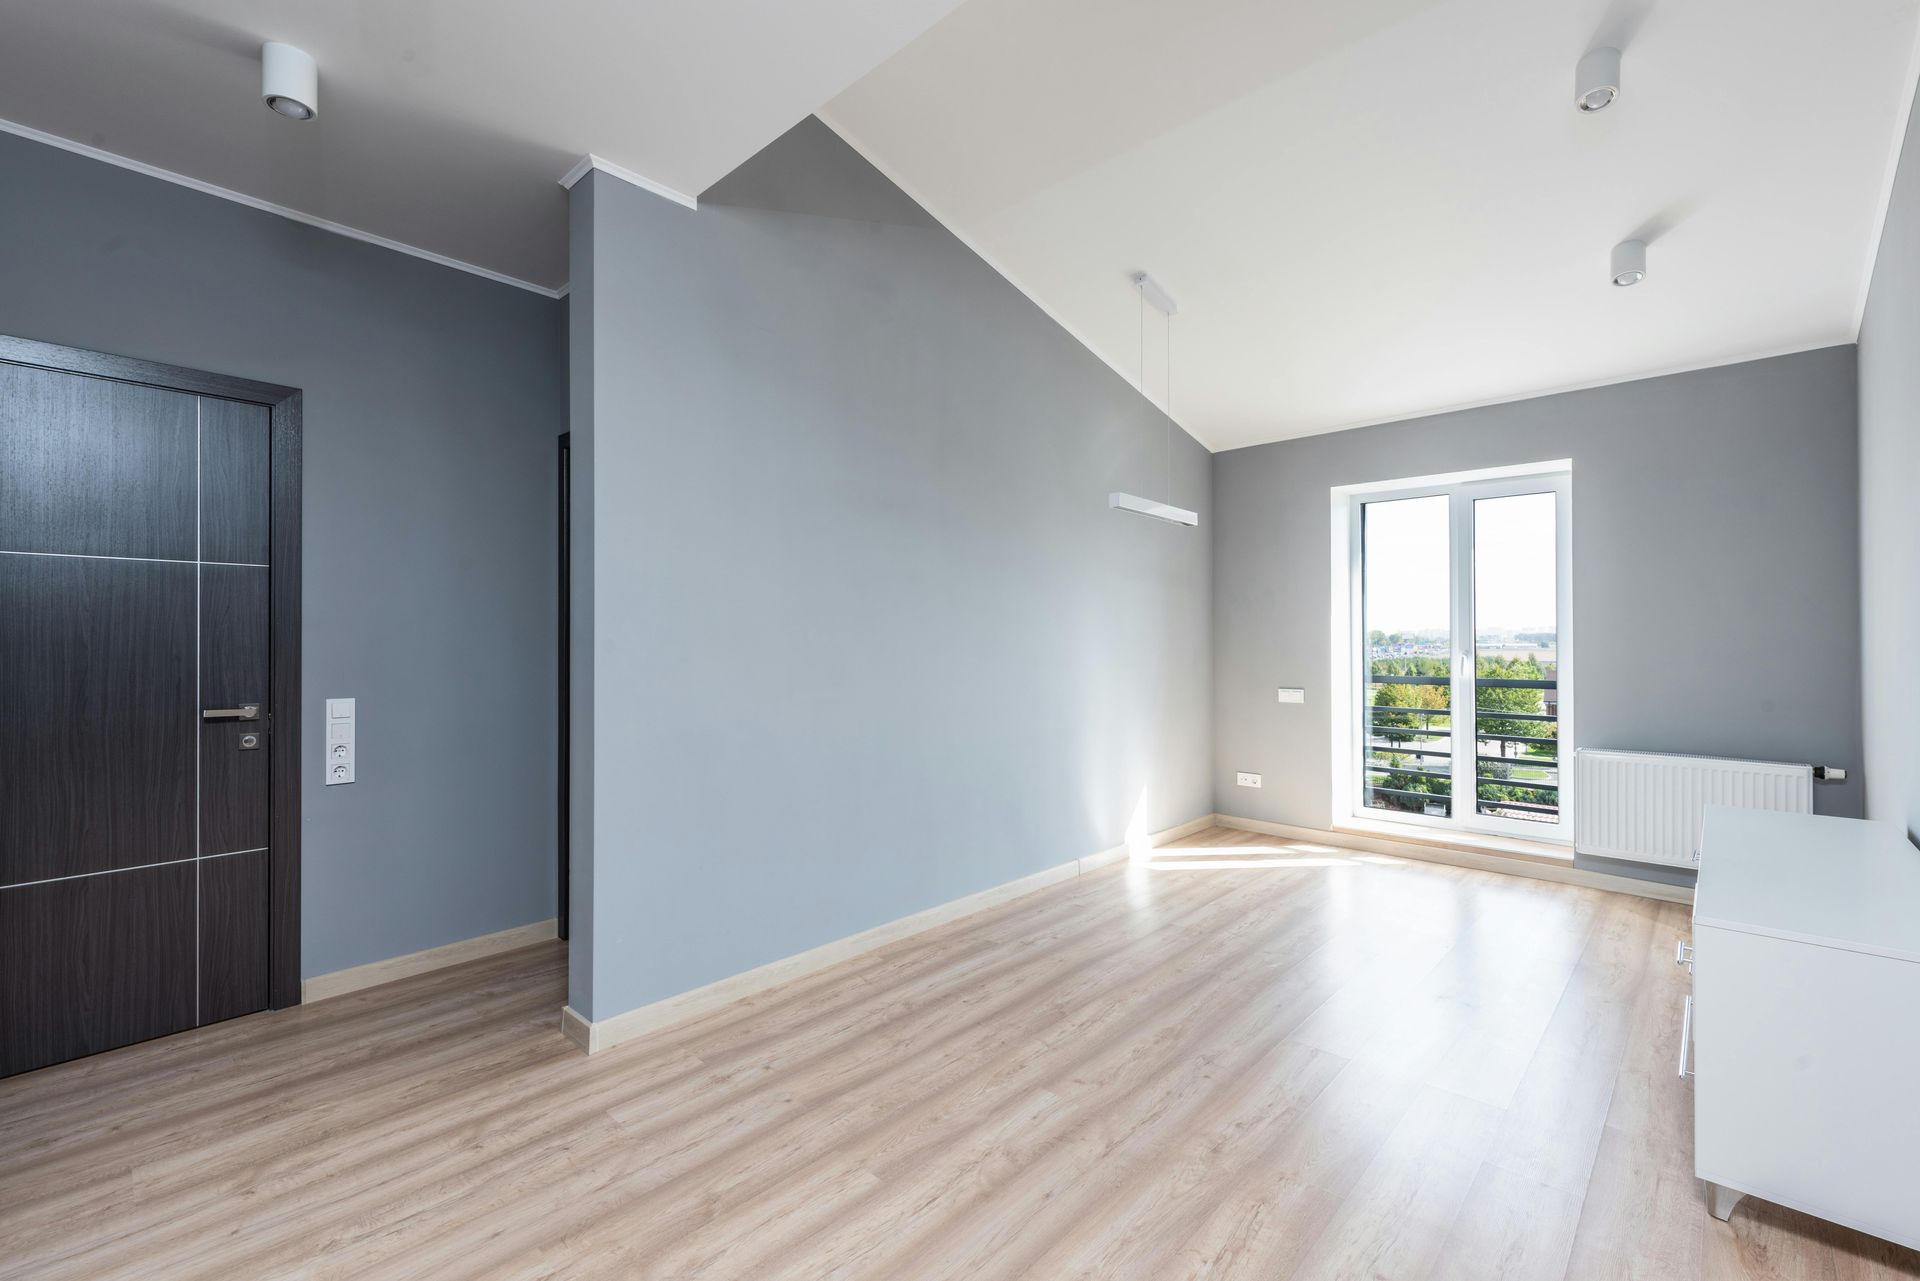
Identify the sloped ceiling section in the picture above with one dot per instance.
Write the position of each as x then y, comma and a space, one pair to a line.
444, 124
1373, 211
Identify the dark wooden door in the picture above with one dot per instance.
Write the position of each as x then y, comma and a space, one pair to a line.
566, 685
135, 705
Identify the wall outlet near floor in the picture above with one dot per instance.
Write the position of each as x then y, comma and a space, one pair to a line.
1249, 780
1288, 694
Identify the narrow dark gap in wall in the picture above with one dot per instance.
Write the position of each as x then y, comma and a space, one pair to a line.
566, 674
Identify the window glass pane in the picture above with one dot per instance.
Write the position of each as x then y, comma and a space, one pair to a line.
1406, 625
1516, 659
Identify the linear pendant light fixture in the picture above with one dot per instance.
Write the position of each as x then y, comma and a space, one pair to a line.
1151, 292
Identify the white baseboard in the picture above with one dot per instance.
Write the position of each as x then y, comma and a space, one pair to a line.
1540, 870
592, 1037
620, 1028
340, 982
1188, 828
578, 1030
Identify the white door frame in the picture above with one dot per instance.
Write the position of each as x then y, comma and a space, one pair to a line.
1349, 692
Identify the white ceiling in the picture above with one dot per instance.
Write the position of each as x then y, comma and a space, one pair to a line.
1369, 211
444, 124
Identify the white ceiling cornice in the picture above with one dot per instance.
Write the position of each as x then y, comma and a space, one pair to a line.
607, 167
268, 206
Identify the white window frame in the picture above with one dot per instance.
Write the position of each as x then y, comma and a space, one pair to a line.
1349, 692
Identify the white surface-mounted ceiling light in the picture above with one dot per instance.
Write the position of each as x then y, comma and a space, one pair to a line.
1596, 81
289, 81
1629, 262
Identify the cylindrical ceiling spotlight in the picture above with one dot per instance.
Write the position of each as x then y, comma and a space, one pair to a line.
1629, 262
289, 80
1596, 81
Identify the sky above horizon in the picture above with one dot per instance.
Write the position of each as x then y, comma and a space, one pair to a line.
1406, 566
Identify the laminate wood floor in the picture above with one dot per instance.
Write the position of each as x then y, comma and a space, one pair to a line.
1248, 1060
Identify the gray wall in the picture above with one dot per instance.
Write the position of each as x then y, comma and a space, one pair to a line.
432, 401
1889, 498
582, 726
867, 638
1715, 571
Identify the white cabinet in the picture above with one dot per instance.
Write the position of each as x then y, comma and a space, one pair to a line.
1805, 1018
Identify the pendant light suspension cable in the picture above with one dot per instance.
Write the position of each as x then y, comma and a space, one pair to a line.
1140, 287
1150, 291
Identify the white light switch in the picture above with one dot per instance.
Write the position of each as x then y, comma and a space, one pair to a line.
1291, 695
338, 758
1249, 780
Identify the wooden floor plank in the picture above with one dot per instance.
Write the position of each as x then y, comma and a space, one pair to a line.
1243, 1058
1509, 1229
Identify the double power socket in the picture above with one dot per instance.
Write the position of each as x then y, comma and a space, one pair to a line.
339, 758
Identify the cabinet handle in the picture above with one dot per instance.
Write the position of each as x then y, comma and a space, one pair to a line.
1686, 1039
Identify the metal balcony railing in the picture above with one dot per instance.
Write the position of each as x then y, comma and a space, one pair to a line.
1410, 736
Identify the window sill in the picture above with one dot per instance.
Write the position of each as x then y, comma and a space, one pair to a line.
1550, 852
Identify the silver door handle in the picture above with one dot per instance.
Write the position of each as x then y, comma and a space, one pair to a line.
244, 712
1686, 1039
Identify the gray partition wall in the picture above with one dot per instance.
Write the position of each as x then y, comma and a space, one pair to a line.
864, 636
432, 400
1889, 498
1716, 596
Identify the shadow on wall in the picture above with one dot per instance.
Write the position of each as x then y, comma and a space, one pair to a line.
818, 175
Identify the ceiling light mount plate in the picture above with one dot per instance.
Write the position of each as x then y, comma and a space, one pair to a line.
1155, 293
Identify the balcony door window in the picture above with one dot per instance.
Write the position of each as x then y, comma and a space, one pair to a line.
1462, 655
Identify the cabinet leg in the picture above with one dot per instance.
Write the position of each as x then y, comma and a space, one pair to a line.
1720, 1201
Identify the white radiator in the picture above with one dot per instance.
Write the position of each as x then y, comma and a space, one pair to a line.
1646, 807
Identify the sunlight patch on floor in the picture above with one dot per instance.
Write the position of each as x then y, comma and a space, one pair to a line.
1235, 856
